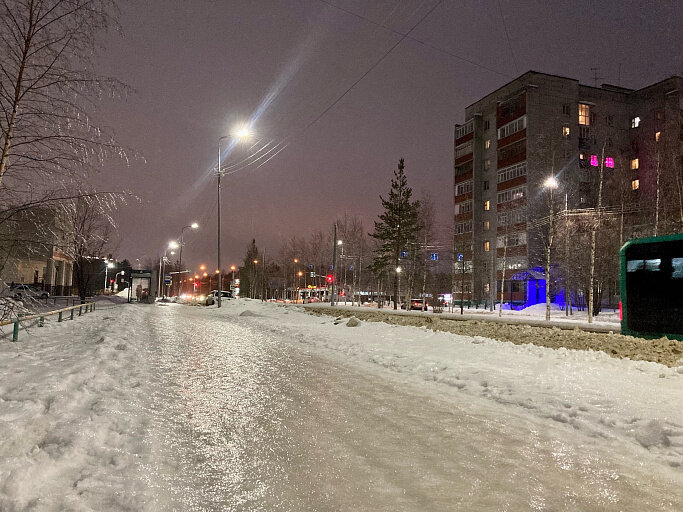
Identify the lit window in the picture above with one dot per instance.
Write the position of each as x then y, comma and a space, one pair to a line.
609, 162
487, 225
487, 205
584, 114
635, 122
594, 160
486, 287
634, 164
657, 136
487, 246
487, 164
582, 156
635, 184
565, 131
487, 144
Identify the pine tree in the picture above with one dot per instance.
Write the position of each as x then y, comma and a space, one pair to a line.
397, 228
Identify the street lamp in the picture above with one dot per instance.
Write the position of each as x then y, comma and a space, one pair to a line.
107, 266
241, 133
551, 184
194, 225
162, 266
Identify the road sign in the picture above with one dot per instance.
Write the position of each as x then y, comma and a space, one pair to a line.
310, 267
167, 279
459, 256
351, 268
434, 256
312, 274
404, 254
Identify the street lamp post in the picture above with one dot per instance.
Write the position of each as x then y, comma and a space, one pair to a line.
194, 225
241, 133
551, 184
107, 266
171, 245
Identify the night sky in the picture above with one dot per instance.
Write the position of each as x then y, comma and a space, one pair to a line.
198, 68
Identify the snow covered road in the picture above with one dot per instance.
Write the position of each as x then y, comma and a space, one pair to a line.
259, 407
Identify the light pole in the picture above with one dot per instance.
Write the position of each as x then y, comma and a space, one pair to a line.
241, 133
551, 184
232, 287
171, 245
107, 266
194, 225
398, 292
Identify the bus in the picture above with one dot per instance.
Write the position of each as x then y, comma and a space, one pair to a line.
651, 287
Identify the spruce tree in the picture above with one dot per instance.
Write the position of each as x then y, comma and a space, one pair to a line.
396, 230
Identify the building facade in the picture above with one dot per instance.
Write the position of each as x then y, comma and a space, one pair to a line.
34, 250
540, 126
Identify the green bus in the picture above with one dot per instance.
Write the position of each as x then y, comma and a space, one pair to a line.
651, 286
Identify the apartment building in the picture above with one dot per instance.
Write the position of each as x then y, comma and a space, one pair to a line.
540, 126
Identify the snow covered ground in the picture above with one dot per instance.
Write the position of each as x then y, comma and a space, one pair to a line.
80, 421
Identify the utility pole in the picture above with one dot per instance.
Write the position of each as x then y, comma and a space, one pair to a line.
334, 263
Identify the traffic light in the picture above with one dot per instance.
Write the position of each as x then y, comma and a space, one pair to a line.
330, 278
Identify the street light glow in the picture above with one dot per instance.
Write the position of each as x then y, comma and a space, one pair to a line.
194, 225
242, 132
232, 267
551, 182
339, 242
399, 270
110, 264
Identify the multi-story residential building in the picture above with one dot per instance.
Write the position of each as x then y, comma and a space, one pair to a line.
541, 125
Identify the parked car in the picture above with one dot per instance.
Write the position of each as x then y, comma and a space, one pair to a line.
417, 304
21, 291
212, 297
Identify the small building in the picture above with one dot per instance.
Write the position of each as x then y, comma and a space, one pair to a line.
34, 249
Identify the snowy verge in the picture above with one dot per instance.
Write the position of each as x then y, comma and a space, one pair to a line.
615, 400
663, 350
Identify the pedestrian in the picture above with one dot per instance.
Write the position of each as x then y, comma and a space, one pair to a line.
138, 292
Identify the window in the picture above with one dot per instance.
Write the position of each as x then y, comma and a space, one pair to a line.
487, 225
487, 287
487, 164
511, 194
512, 172
513, 127
513, 240
634, 164
609, 162
584, 114
594, 160
635, 122
565, 131
566, 109
657, 136
487, 124
464, 207
487, 144
486, 184
487, 205
487, 246
464, 168
659, 115
463, 188
610, 120
463, 227
635, 184
584, 132
511, 217
464, 129
463, 149
512, 151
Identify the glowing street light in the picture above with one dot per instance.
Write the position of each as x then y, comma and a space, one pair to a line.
194, 225
240, 133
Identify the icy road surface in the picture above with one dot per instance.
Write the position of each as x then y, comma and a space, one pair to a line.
172, 407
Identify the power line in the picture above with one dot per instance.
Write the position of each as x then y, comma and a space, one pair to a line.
384, 56
507, 35
419, 41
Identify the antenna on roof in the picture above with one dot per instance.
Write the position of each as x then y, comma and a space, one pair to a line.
595, 76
